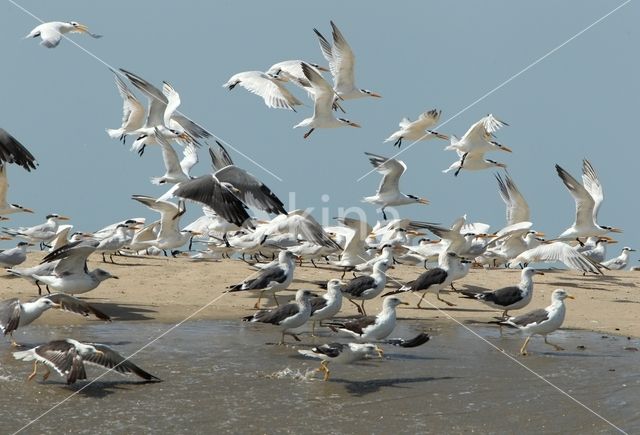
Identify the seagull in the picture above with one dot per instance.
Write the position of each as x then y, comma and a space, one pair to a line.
169, 236
371, 328
228, 189
472, 161
14, 256
517, 207
596, 248
176, 170
267, 86
30, 273
289, 316
365, 287
290, 71
340, 353
163, 114
620, 262
388, 193
12, 151
274, 278
323, 99
558, 251
417, 130
479, 137
588, 198
5, 207
355, 248
71, 275
42, 234
15, 314
132, 112
328, 305
386, 253
121, 236
51, 32
541, 321
67, 357
434, 280
302, 225
342, 65
508, 298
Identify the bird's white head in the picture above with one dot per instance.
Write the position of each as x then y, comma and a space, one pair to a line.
101, 275
560, 295
334, 285
391, 302
530, 271
303, 295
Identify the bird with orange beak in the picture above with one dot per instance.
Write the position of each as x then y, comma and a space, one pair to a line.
51, 33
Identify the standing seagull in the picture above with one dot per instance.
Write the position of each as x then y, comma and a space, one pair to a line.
388, 193
323, 96
51, 33
433, 280
365, 287
542, 321
71, 275
273, 278
67, 357
289, 316
15, 314
621, 261
508, 298
328, 305
14, 256
371, 328
588, 198
342, 65
417, 130
43, 233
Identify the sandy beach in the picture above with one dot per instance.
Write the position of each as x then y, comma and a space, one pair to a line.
171, 289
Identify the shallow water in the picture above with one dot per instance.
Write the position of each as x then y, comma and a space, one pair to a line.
221, 377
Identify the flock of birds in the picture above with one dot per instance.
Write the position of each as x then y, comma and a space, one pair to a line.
228, 193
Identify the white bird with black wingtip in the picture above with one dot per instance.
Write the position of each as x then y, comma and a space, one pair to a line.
542, 321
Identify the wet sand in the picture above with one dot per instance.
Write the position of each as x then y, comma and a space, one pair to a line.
218, 376
168, 290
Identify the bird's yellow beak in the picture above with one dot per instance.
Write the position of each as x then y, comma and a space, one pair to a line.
570, 297
63, 218
6, 238
353, 124
424, 201
404, 303
441, 136
373, 94
196, 233
27, 210
615, 230
415, 233
502, 165
538, 234
82, 28
56, 305
538, 272
507, 149
322, 68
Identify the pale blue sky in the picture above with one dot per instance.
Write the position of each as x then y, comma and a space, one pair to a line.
581, 101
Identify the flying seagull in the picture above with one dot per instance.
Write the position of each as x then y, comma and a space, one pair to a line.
15, 314
51, 32
67, 357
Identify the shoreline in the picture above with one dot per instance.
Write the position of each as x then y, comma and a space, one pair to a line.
170, 290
